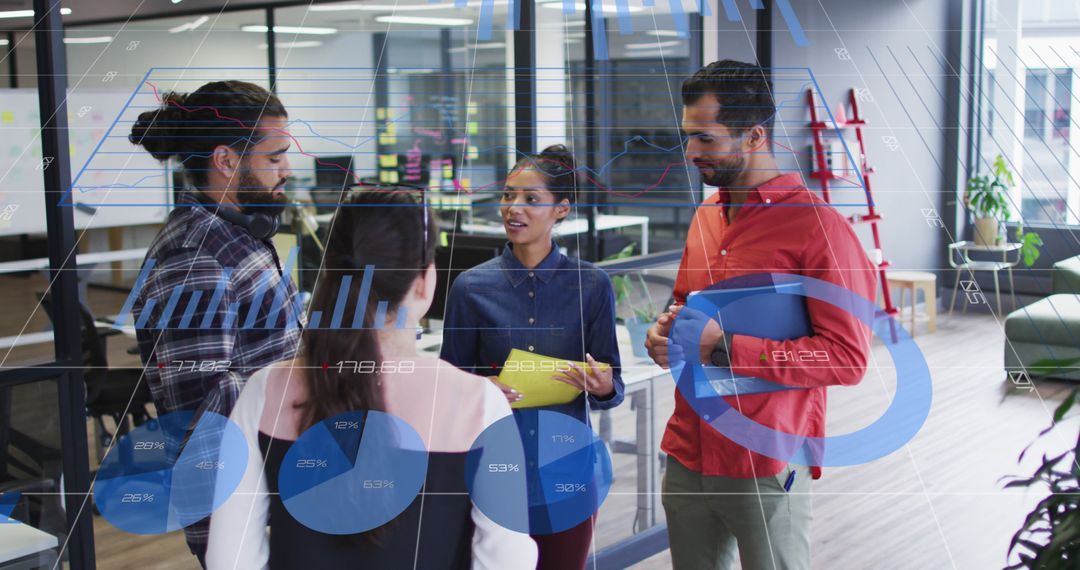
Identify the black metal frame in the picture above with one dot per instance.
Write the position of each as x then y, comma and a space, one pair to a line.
13, 65
271, 49
52, 95
525, 78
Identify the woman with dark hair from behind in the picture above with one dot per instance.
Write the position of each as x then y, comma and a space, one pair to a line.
448, 408
536, 299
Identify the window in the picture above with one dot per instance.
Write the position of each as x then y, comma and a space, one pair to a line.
1029, 74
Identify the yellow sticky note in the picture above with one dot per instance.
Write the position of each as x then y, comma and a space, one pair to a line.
474, 127
388, 160
391, 129
465, 183
447, 171
474, 153
391, 176
7, 117
444, 239
533, 375
380, 113
387, 139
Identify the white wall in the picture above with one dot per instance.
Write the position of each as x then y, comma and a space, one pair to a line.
896, 50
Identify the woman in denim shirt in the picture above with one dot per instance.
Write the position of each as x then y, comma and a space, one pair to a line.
534, 298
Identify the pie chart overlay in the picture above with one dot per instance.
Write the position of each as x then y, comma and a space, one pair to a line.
538, 471
169, 473
353, 472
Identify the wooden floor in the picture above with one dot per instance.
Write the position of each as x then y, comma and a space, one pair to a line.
936, 503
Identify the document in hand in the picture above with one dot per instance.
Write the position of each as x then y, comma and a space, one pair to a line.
533, 375
774, 311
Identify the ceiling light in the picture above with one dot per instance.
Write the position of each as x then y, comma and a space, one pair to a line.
423, 21
491, 45
656, 45
580, 7
290, 30
177, 1
389, 7
29, 13
291, 45
664, 33
3, 42
90, 40
189, 26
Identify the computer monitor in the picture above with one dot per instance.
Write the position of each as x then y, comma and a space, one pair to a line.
334, 172
333, 178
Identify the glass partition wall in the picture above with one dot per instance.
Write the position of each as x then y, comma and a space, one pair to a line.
408, 92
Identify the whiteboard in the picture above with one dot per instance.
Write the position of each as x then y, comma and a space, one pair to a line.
120, 181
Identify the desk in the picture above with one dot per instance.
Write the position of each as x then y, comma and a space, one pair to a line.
639, 375
576, 226
24, 547
962, 250
81, 260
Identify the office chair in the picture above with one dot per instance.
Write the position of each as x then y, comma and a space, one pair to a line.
108, 391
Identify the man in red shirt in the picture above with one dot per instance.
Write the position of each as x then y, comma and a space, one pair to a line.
718, 495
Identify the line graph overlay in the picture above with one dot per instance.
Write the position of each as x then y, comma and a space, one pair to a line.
458, 150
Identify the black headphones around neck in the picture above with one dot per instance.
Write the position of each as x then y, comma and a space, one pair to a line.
259, 224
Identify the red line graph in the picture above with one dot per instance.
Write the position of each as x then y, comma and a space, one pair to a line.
457, 184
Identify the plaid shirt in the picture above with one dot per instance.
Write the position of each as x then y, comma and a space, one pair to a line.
214, 308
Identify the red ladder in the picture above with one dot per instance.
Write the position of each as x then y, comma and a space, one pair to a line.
824, 174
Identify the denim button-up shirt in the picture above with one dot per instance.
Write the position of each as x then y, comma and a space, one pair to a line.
562, 308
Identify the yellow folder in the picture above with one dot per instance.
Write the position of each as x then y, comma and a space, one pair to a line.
533, 375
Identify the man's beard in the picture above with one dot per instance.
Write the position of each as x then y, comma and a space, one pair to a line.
252, 192
724, 172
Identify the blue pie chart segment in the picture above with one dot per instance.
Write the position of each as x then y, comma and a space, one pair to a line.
353, 472
170, 473
538, 471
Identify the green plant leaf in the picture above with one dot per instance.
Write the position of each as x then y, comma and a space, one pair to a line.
1064, 407
1047, 366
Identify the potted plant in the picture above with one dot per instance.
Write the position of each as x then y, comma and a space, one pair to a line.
640, 317
1050, 536
987, 198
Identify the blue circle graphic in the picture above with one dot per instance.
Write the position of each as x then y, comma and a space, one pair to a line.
538, 472
353, 472
168, 474
727, 302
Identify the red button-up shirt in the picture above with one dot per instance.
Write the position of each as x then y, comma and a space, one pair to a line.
781, 228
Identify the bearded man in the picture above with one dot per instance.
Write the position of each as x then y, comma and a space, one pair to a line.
724, 500
212, 304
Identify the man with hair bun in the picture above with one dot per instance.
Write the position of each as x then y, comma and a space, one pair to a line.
215, 305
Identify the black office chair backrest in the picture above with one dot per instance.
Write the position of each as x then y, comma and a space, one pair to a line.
95, 357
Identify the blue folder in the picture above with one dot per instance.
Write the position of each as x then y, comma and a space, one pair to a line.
775, 311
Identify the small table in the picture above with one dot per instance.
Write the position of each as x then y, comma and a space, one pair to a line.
915, 281
962, 251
